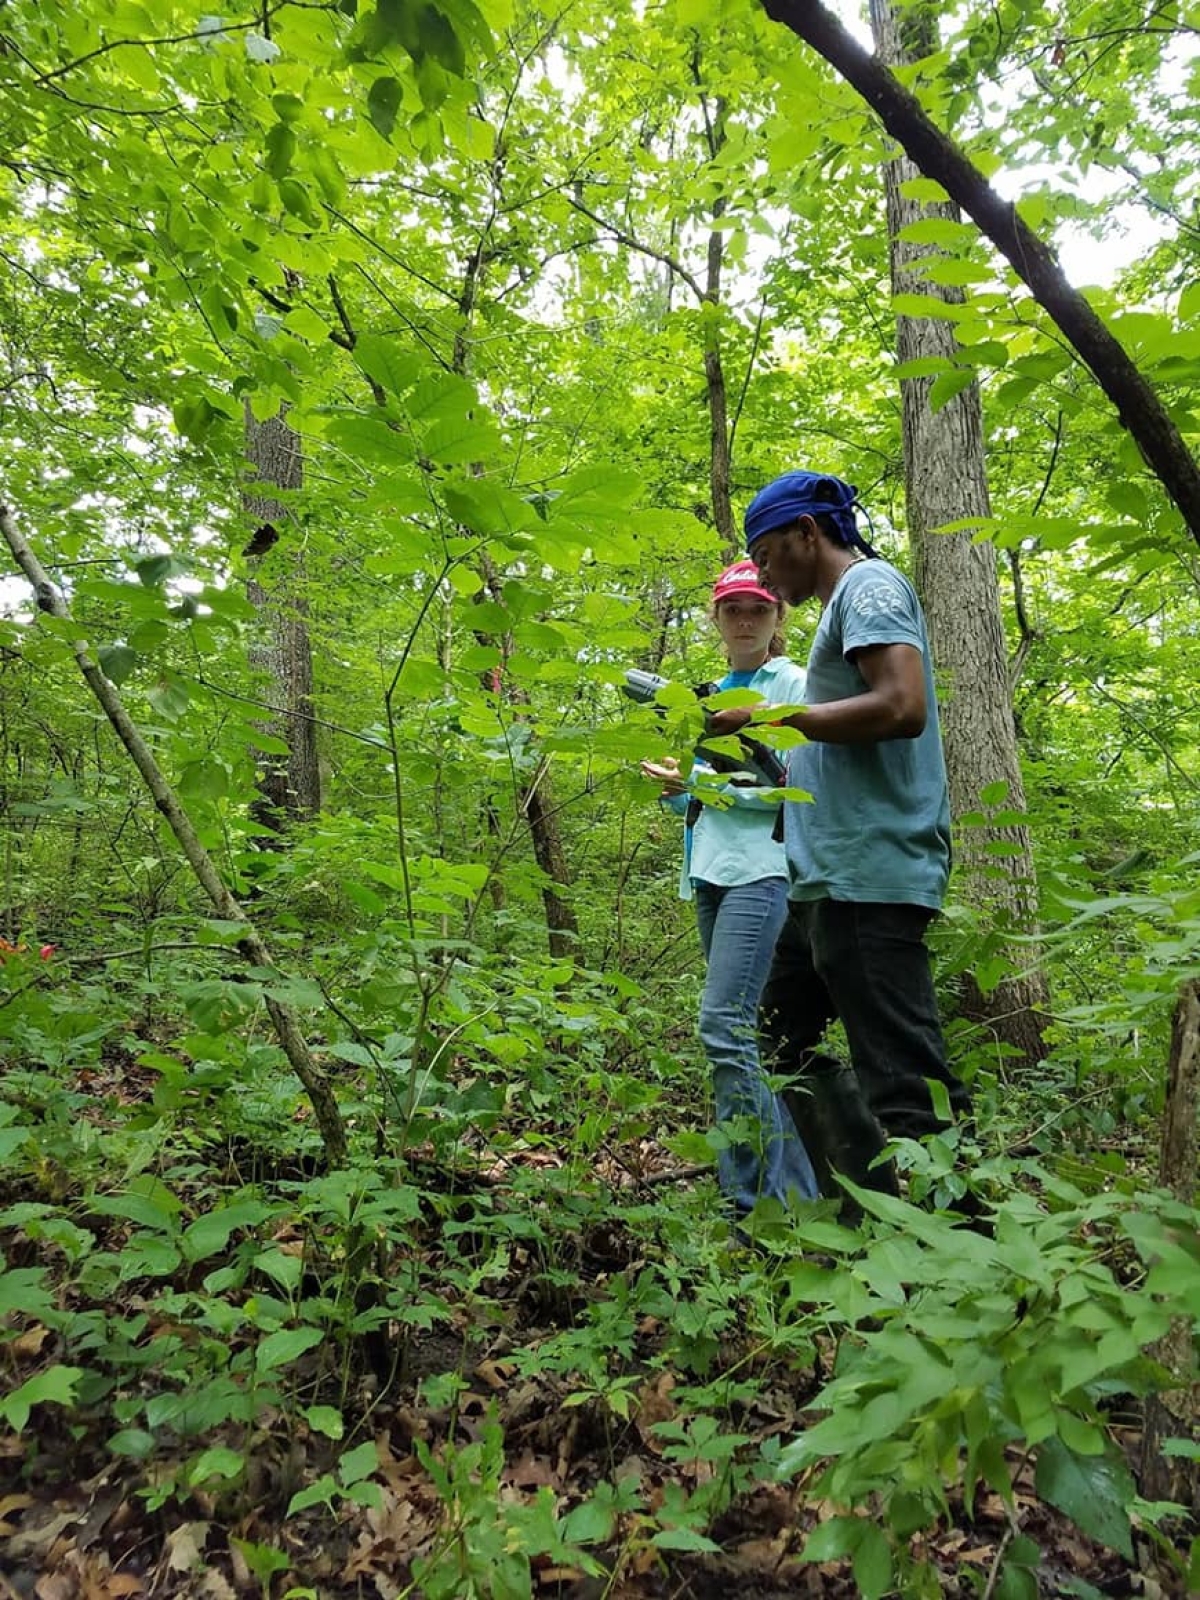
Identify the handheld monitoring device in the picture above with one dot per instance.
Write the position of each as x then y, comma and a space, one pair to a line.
758, 760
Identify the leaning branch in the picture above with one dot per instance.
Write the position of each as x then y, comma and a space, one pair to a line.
940, 158
630, 243
250, 944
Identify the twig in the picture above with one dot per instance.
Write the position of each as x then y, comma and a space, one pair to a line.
250, 942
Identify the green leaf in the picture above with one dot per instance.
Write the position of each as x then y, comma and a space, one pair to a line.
1094, 1491
684, 1539
365, 899
136, 1443
211, 1232
116, 661
56, 1386
296, 200
923, 367
393, 367
588, 1523
320, 1493
205, 779
359, 1463
281, 150
278, 1349
830, 1541
873, 1564
383, 102
169, 697
944, 388
938, 230
218, 1462
146, 1210
264, 1560
927, 305
193, 416
924, 190
153, 571
326, 1420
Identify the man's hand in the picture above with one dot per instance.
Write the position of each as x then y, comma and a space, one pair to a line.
731, 721
667, 773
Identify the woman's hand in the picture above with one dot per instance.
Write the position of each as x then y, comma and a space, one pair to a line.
667, 773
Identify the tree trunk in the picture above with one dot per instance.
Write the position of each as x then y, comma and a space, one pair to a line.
561, 927
940, 158
290, 785
946, 479
1175, 1413
720, 464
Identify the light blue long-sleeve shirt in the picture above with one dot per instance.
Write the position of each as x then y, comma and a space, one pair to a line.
734, 845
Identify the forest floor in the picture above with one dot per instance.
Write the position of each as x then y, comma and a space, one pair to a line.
466, 1436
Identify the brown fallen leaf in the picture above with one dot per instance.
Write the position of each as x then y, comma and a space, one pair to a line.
496, 1374
979, 1556
59, 1585
654, 1405
38, 1533
531, 1472
216, 1586
29, 1344
183, 1550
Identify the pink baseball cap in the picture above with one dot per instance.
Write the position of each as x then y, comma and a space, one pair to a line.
741, 579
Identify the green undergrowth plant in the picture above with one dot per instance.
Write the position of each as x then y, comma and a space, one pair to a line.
962, 1358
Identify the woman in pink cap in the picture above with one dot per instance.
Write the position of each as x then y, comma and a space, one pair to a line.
736, 872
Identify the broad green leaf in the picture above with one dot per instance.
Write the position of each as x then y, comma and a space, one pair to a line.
938, 230
56, 1386
393, 367
116, 661
281, 150
278, 1349
927, 305
359, 1463
211, 1232
684, 1539
383, 103
873, 1571
217, 1462
948, 384
322, 1492
326, 1420
1094, 1491
831, 1540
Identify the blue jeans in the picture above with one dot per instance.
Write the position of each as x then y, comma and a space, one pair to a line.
739, 925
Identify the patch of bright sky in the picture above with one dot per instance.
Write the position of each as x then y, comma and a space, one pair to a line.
1131, 231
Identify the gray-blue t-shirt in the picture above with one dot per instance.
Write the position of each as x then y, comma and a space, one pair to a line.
878, 826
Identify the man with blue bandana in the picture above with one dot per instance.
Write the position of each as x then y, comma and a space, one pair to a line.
869, 856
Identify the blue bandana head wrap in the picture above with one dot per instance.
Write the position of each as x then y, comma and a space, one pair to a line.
813, 494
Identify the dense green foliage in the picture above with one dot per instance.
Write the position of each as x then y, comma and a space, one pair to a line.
467, 250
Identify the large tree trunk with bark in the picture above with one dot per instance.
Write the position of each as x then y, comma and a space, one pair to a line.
290, 785
946, 479
1175, 1413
